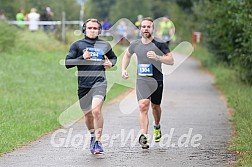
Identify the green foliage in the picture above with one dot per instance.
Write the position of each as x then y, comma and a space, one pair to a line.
130, 9
8, 35
243, 50
35, 87
228, 27
183, 23
160, 8
71, 8
98, 8
206, 58
186, 5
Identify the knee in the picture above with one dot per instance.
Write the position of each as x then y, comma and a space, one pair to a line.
143, 107
96, 113
89, 116
155, 107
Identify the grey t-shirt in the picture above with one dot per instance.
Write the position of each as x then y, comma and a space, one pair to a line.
141, 50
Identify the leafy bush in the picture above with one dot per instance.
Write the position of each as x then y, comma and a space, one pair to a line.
244, 50
228, 27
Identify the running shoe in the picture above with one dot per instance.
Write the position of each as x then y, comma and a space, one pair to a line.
143, 141
92, 144
157, 134
98, 148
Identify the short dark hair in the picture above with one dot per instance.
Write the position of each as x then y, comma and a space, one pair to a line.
91, 20
148, 19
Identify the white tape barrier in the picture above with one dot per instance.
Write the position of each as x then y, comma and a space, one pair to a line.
45, 22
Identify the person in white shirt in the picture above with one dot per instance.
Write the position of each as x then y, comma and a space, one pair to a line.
33, 17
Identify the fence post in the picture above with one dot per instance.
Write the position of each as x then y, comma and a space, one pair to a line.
196, 38
63, 27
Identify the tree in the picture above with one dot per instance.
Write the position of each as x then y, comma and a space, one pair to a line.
228, 28
98, 8
130, 9
160, 8
186, 5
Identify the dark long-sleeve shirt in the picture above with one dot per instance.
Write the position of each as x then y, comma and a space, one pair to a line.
90, 73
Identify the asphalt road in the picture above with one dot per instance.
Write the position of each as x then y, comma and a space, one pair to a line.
195, 127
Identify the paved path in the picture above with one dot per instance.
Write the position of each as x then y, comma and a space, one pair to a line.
192, 107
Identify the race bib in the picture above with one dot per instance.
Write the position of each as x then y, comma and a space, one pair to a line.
96, 54
145, 70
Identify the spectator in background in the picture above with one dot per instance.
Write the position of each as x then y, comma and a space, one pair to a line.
46, 15
33, 17
137, 33
106, 25
121, 30
20, 17
166, 30
2, 15
139, 20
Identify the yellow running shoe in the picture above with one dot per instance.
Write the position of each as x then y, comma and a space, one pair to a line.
157, 134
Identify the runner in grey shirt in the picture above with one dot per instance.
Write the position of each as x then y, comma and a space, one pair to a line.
150, 55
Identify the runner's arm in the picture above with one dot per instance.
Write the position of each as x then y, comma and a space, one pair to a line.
166, 59
72, 58
125, 63
112, 57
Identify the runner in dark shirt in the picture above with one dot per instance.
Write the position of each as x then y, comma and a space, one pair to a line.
92, 56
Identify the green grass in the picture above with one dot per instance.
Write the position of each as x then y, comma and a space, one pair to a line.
36, 89
239, 97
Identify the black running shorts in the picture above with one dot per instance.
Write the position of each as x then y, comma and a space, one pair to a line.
86, 96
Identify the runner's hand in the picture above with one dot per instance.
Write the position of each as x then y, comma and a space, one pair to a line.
107, 63
86, 54
125, 74
151, 55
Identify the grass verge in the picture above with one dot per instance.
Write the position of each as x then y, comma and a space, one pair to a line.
36, 89
239, 96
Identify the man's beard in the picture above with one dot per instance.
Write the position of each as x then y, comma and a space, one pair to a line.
146, 35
